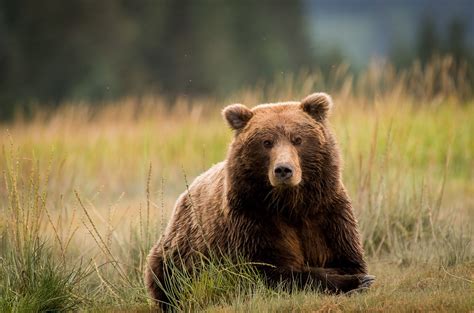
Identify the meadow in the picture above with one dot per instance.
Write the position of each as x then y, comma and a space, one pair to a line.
86, 191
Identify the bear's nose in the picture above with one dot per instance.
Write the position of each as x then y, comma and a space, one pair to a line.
283, 171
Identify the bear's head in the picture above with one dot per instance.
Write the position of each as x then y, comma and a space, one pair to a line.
282, 148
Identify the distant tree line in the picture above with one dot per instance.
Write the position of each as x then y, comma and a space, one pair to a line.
56, 50
431, 41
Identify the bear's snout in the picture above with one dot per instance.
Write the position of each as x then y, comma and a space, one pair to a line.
283, 171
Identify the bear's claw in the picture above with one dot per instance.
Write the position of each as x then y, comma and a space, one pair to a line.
367, 281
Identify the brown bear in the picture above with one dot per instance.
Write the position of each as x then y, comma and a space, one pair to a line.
277, 199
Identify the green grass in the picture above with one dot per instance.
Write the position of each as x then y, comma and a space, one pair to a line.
33, 278
86, 193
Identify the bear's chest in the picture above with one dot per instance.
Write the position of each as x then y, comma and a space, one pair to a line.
304, 244
317, 249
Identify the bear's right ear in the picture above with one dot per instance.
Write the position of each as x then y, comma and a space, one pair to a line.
237, 115
317, 105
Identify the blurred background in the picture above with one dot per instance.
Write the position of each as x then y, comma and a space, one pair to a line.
54, 51
109, 109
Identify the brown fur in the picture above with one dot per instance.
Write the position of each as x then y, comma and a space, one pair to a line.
303, 225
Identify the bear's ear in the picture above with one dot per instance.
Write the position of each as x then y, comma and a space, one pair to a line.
317, 105
237, 115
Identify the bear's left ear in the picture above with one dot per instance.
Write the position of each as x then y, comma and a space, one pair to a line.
237, 115
317, 105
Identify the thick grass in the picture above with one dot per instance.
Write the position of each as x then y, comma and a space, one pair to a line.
86, 193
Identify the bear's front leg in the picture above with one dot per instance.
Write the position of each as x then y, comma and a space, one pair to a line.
317, 278
334, 282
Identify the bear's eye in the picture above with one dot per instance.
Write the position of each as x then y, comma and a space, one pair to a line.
268, 143
297, 141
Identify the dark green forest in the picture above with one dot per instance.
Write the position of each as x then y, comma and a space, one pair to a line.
54, 50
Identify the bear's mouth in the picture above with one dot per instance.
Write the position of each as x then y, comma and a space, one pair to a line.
284, 185
288, 183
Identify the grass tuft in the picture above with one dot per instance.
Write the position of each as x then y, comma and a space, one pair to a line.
33, 278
